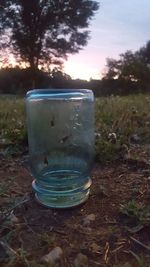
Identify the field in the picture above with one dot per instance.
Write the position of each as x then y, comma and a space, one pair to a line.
113, 227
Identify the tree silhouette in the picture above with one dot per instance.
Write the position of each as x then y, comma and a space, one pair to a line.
131, 66
45, 32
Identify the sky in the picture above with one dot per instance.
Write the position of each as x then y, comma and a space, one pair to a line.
118, 26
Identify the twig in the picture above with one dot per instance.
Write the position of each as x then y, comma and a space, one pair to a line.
8, 247
108, 223
52, 229
9, 211
140, 243
118, 248
121, 241
106, 253
29, 226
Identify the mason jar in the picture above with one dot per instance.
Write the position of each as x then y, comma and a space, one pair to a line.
61, 144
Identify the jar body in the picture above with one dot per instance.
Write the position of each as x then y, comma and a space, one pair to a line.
61, 145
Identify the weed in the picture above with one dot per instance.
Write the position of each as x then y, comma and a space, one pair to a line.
140, 212
47, 239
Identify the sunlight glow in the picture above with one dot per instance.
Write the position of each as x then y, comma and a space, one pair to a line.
76, 68
12, 60
79, 70
7, 62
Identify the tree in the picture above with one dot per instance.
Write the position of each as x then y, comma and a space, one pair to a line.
131, 66
45, 32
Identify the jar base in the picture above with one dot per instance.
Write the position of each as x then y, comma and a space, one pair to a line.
66, 199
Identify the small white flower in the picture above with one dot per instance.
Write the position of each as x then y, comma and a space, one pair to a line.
97, 135
112, 136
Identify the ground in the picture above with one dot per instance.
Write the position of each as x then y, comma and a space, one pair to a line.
112, 228
99, 229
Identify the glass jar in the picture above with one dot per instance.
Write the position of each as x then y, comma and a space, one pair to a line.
61, 144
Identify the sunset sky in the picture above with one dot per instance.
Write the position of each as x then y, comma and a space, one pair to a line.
118, 26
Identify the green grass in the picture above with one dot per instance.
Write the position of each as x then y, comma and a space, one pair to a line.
137, 211
123, 116
12, 123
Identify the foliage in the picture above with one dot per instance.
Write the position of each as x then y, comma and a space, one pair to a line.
19, 81
137, 211
131, 66
42, 33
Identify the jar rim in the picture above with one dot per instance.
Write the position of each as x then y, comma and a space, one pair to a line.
59, 93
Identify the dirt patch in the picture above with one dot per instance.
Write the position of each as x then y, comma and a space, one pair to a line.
108, 237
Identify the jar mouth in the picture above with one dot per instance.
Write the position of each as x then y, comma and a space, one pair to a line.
60, 94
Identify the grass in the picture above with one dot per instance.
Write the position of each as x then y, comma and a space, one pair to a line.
127, 117
12, 124
137, 211
119, 121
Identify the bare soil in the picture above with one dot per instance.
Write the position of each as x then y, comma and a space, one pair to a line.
110, 238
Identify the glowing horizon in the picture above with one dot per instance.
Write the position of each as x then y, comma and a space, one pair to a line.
79, 70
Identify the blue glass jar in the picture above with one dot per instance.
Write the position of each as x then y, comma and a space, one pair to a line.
61, 144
